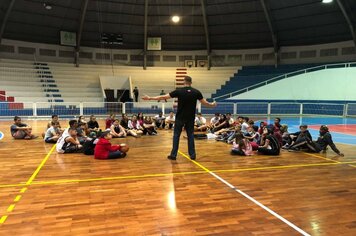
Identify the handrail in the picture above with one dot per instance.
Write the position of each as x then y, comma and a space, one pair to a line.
306, 70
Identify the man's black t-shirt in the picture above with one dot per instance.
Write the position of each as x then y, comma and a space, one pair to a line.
187, 102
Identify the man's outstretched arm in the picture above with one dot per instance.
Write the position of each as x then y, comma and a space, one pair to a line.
205, 103
157, 98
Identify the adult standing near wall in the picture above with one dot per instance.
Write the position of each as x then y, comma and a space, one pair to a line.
136, 93
187, 101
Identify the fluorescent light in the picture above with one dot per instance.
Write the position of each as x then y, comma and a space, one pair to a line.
175, 19
327, 1
47, 6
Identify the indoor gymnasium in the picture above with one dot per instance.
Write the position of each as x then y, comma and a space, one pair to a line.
177, 117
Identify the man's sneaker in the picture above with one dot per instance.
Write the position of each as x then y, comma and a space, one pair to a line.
192, 158
172, 158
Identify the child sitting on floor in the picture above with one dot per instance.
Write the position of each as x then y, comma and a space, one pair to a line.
68, 142
117, 131
53, 133
241, 146
20, 130
104, 150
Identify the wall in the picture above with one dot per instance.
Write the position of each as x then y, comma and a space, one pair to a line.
324, 53
324, 85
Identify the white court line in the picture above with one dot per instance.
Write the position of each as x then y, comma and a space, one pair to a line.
260, 204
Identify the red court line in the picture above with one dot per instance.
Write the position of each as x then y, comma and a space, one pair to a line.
345, 129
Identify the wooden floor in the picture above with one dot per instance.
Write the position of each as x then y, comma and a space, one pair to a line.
45, 193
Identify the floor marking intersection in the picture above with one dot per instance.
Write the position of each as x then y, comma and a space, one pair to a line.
248, 197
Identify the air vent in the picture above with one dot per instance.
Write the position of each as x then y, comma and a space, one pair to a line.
268, 56
307, 54
120, 57
348, 51
102, 56
153, 58
136, 57
26, 50
47, 52
330, 52
184, 58
68, 54
169, 58
201, 57
234, 58
7, 48
289, 55
252, 57
87, 55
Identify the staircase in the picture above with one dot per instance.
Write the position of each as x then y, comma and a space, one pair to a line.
48, 82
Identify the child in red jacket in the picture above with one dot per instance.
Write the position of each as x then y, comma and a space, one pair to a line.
104, 150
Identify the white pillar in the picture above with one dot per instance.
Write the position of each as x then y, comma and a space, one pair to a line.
163, 104
123, 107
81, 108
346, 108
199, 107
34, 107
301, 109
235, 109
269, 109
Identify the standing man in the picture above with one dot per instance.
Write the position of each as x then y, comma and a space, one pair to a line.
187, 101
135, 92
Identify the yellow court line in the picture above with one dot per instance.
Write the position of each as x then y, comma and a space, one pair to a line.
282, 167
23, 190
68, 181
115, 178
28, 183
11, 208
33, 176
17, 198
320, 157
197, 163
3, 219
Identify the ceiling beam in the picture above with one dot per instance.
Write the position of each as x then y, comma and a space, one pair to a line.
206, 29
80, 31
145, 36
272, 30
348, 20
6, 17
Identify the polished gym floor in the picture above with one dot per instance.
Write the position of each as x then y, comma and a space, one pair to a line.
45, 193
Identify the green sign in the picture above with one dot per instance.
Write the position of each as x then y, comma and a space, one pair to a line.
68, 38
154, 43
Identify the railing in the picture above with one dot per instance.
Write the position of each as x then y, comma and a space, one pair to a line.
74, 109
287, 75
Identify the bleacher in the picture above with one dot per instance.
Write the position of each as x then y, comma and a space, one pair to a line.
64, 86
251, 75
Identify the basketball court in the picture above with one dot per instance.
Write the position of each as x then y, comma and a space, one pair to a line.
46, 193
261, 59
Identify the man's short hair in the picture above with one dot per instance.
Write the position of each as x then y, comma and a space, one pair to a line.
54, 116
16, 118
188, 79
72, 122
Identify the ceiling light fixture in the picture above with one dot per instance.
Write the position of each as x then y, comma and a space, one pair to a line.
327, 1
47, 6
175, 19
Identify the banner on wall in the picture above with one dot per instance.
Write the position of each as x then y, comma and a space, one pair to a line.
154, 43
68, 38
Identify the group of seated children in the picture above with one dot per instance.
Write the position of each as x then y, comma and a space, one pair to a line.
246, 137
138, 125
